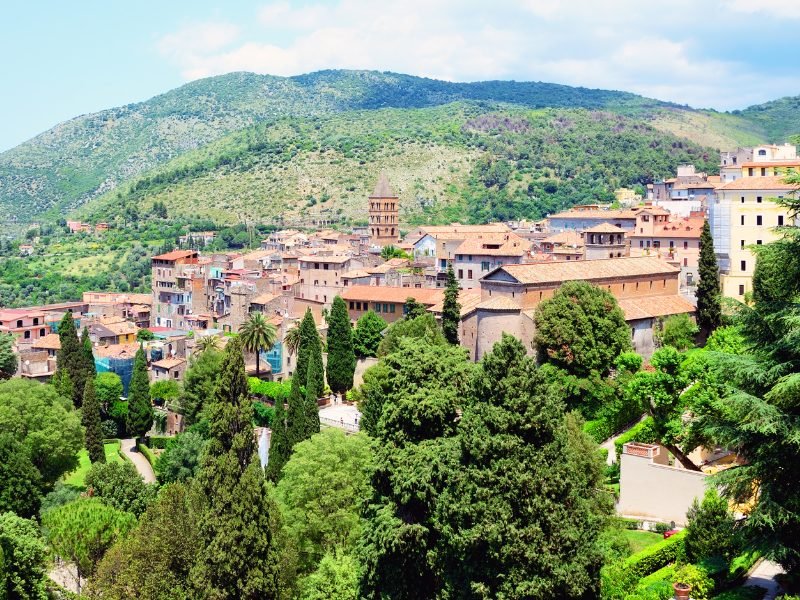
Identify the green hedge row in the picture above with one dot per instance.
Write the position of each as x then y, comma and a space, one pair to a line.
619, 579
159, 441
148, 454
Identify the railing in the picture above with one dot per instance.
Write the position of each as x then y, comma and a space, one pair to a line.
351, 427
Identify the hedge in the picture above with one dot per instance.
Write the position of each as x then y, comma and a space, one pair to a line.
619, 579
599, 430
641, 432
148, 454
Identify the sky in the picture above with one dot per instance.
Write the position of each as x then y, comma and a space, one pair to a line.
63, 59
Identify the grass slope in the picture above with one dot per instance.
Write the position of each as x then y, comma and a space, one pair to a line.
78, 476
463, 161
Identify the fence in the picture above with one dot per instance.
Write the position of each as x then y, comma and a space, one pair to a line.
349, 427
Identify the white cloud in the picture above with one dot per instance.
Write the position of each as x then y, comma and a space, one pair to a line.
646, 48
780, 9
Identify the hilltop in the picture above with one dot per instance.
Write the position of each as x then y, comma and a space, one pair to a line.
86, 157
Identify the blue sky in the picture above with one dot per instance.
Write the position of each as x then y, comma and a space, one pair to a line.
62, 59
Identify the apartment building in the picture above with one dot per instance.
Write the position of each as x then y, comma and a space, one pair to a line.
677, 241
744, 162
476, 256
321, 276
171, 277
388, 302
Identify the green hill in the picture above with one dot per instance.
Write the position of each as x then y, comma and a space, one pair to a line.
461, 161
780, 119
86, 157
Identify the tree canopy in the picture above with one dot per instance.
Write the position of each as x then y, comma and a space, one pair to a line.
581, 329
8, 358
140, 408
257, 334
341, 354
709, 310
451, 309
22, 559
368, 334
119, 484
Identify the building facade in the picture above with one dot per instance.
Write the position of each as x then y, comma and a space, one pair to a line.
384, 214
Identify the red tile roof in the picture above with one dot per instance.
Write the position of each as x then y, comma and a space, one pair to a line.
384, 293
176, 255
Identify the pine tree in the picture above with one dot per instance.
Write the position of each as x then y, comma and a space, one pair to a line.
709, 311
91, 423
71, 357
296, 416
341, 355
314, 389
140, 408
451, 309
238, 521
279, 444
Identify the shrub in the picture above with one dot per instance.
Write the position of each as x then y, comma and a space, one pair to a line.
641, 432
619, 579
599, 430
159, 441
711, 528
148, 454
271, 390
662, 528
263, 414
110, 429
701, 583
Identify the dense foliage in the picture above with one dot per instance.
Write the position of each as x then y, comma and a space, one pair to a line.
709, 310
341, 354
257, 335
22, 559
140, 407
119, 484
90, 416
451, 309
368, 334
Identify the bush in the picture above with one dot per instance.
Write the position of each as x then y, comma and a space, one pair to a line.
599, 430
148, 454
159, 441
662, 528
629, 523
110, 429
641, 432
263, 414
271, 390
619, 579
711, 528
701, 583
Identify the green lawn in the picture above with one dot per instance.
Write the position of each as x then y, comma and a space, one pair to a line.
77, 477
639, 540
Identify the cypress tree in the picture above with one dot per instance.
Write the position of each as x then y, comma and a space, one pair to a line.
296, 417
341, 354
709, 310
70, 357
89, 367
308, 333
314, 389
140, 409
63, 383
91, 423
279, 444
451, 309
238, 519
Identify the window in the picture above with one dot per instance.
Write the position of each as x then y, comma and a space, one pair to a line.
742, 199
352, 305
485, 266
759, 199
41, 333
469, 274
35, 320
741, 220
385, 307
780, 220
19, 323
461, 273
671, 244
741, 290
750, 171
685, 262
685, 245
391, 308
763, 172
758, 242
759, 219
27, 335
762, 152
743, 265
641, 243
377, 307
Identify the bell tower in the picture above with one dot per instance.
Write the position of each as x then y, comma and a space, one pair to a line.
383, 214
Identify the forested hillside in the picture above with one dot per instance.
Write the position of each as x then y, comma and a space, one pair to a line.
473, 161
61, 169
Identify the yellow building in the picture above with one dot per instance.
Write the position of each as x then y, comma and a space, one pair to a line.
745, 214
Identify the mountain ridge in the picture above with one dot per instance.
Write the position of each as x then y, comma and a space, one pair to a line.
85, 157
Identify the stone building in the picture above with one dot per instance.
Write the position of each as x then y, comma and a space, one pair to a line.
384, 211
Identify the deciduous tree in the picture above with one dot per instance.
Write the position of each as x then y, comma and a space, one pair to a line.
90, 415
199, 383
119, 484
368, 334
22, 559
423, 327
8, 358
181, 459
20, 481
581, 329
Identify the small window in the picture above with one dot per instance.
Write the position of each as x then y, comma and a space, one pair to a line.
461, 273
741, 220
780, 220
35, 320
759, 219
469, 274
41, 333
762, 152
685, 262
391, 308
671, 244
750, 171
385, 307
758, 242
759, 199
743, 265
685, 245
27, 335
19, 323
352, 305
741, 290
742, 199
377, 307
641, 243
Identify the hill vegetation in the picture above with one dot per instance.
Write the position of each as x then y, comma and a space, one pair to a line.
86, 157
467, 160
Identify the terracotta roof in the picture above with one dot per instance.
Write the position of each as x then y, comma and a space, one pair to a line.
389, 265
499, 303
604, 228
468, 299
690, 228
169, 363
176, 254
596, 214
382, 188
773, 182
654, 306
509, 245
263, 298
339, 259
49, 342
570, 237
568, 250
385, 293
354, 274
588, 270
460, 229
117, 350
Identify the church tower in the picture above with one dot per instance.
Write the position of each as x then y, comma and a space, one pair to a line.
384, 210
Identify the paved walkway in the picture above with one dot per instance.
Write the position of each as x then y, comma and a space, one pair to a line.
764, 576
138, 459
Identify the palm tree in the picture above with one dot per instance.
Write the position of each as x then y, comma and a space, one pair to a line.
208, 342
292, 339
258, 334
